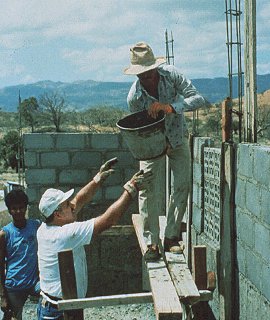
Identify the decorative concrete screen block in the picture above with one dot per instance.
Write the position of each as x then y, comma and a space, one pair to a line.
212, 207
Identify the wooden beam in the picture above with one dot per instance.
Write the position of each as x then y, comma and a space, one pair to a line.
166, 302
104, 301
199, 267
179, 271
226, 120
68, 282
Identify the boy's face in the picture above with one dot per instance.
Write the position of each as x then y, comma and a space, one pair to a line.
18, 211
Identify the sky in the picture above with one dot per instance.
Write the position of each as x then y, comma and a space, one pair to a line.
72, 40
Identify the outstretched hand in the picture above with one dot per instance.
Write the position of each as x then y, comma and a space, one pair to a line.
138, 182
105, 170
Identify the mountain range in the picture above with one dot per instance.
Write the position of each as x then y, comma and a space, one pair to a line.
81, 95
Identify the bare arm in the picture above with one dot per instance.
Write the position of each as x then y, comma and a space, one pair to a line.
4, 303
112, 214
85, 195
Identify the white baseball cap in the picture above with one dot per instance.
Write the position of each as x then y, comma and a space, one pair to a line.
51, 199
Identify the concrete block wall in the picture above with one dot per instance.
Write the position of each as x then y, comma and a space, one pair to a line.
68, 161
252, 210
253, 230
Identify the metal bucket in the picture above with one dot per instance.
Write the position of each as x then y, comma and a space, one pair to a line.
144, 135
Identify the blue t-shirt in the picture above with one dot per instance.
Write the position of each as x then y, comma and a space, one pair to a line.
21, 255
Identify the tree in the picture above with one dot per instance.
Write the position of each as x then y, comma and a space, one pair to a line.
9, 149
29, 108
53, 105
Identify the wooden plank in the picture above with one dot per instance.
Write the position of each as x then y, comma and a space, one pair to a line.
199, 267
104, 301
179, 271
166, 302
68, 282
181, 276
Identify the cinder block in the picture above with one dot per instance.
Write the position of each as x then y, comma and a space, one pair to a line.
262, 241
197, 219
265, 282
199, 144
73, 177
33, 141
30, 159
265, 205
245, 228
197, 172
114, 179
40, 176
262, 165
32, 194
87, 159
240, 193
254, 269
70, 141
105, 141
241, 258
245, 160
253, 199
54, 159
113, 192
125, 158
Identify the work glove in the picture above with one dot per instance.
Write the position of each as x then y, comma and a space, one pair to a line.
138, 182
156, 107
105, 170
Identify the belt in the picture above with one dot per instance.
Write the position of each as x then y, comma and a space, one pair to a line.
46, 302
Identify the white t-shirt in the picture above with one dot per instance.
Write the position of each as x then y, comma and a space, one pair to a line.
53, 239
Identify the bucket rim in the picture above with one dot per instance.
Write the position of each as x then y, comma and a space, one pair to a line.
140, 128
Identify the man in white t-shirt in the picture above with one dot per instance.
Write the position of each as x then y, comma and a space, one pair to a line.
60, 231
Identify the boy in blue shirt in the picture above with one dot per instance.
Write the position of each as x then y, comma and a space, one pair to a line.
18, 256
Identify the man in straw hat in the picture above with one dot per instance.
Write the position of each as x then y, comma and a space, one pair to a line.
161, 87
60, 231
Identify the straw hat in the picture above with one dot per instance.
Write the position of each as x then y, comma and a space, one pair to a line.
142, 59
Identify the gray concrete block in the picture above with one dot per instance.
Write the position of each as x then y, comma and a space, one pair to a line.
240, 193
70, 141
113, 192
254, 269
245, 160
114, 179
265, 282
76, 176
265, 205
262, 241
241, 258
105, 141
197, 219
33, 141
40, 176
199, 144
245, 228
262, 165
253, 199
197, 195
197, 172
30, 159
32, 194
87, 159
125, 158
54, 159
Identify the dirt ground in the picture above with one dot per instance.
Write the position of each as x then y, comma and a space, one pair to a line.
121, 312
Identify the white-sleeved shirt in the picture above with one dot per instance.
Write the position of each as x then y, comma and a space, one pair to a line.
53, 239
174, 89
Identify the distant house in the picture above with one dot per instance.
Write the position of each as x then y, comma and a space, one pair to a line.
11, 185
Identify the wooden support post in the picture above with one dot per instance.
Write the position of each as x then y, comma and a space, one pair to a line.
199, 267
226, 120
228, 283
68, 283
